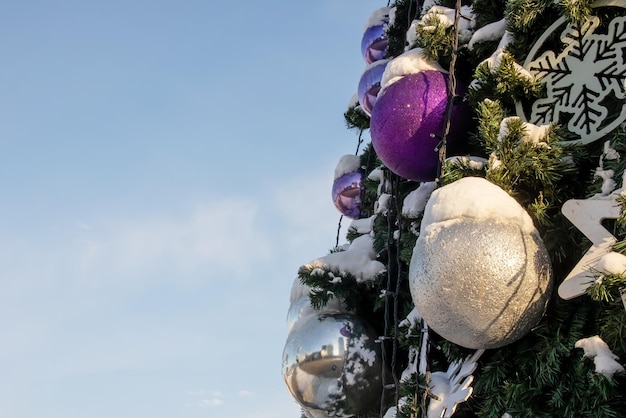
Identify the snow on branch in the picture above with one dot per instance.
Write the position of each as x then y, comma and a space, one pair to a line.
603, 357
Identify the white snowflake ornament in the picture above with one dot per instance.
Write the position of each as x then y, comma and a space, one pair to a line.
587, 216
588, 72
452, 387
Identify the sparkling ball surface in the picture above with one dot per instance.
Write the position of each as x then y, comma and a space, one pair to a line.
406, 116
332, 364
369, 85
374, 43
480, 284
346, 194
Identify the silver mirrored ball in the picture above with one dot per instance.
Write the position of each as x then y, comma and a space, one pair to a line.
332, 365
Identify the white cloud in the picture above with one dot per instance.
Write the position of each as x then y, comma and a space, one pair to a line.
83, 225
225, 237
230, 237
204, 403
206, 399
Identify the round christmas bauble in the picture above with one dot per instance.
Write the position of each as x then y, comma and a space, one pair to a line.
314, 413
407, 124
332, 364
369, 85
301, 308
374, 43
480, 283
298, 309
346, 193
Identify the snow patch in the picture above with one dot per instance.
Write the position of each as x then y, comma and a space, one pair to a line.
471, 161
534, 134
415, 202
612, 263
475, 198
603, 357
379, 17
382, 204
347, 164
445, 16
354, 101
363, 226
491, 32
359, 260
410, 62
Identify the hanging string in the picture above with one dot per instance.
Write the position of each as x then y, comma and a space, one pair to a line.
425, 343
391, 309
359, 142
387, 307
338, 231
451, 92
396, 294
410, 16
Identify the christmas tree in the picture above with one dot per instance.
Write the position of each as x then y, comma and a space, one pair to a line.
485, 262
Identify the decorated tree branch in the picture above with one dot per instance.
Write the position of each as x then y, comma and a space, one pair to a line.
484, 269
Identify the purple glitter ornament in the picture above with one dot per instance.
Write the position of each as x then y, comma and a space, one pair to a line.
407, 124
374, 43
369, 85
347, 194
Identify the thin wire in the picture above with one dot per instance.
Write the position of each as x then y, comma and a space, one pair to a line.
442, 160
391, 240
394, 214
396, 294
383, 338
338, 231
386, 309
359, 142
451, 92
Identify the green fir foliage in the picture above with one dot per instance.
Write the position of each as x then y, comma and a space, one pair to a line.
543, 374
406, 11
462, 167
527, 20
488, 11
576, 10
328, 283
503, 82
525, 169
435, 39
356, 119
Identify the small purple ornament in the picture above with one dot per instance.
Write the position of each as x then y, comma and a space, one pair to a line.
369, 85
374, 43
407, 124
346, 330
347, 194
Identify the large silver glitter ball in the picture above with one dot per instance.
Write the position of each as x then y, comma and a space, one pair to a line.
480, 283
332, 365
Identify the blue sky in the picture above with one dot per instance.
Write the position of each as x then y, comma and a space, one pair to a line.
165, 168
